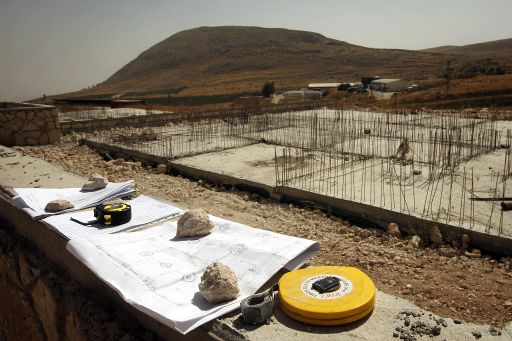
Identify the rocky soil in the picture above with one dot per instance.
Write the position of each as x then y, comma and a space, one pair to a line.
475, 289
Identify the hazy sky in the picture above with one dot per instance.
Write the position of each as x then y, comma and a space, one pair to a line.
55, 46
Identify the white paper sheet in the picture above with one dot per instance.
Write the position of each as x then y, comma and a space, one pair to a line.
145, 210
34, 200
159, 274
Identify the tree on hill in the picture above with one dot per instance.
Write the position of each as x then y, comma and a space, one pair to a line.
268, 89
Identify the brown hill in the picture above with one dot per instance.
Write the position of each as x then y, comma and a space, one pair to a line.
226, 60
501, 47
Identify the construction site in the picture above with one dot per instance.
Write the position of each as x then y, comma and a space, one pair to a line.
445, 168
256, 172
417, 199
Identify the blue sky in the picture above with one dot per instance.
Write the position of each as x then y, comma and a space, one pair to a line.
54, 46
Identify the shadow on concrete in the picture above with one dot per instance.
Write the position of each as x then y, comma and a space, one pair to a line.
283, 319
239, 324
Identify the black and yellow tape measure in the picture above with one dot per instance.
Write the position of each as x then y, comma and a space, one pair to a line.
113, 214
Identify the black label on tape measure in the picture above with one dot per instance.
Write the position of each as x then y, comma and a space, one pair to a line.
326, 284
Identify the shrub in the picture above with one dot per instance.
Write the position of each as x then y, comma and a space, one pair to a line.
268, 89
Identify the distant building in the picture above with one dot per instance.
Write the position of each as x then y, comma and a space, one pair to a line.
303, 93
323, 86
390, 85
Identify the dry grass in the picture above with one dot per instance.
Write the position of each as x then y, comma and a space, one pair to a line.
482, 91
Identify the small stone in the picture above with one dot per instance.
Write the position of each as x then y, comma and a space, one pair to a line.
507, 304
58, 205
393, 230
471, 254
218, 284
392, 282
457, 321
133, 165
435, 236
407, 321
95, 182
477, 335
194, 223
357, 239
408, 286
161, 169
395, 334
415, 241
118, 162
464, 242
448, 252
493, 331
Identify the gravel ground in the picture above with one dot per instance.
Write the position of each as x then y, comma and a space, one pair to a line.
476, 290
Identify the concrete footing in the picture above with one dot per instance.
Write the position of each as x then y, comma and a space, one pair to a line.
381, 217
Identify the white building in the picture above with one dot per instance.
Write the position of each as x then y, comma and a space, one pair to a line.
303, 93
323, 86
390, 85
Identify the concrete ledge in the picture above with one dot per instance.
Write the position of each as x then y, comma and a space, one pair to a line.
53, 246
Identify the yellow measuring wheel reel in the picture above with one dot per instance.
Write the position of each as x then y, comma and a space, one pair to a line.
327, 295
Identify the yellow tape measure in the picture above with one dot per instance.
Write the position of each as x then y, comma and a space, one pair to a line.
113, 214
327, 295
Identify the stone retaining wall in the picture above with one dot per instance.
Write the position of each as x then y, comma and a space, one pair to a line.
23, 124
